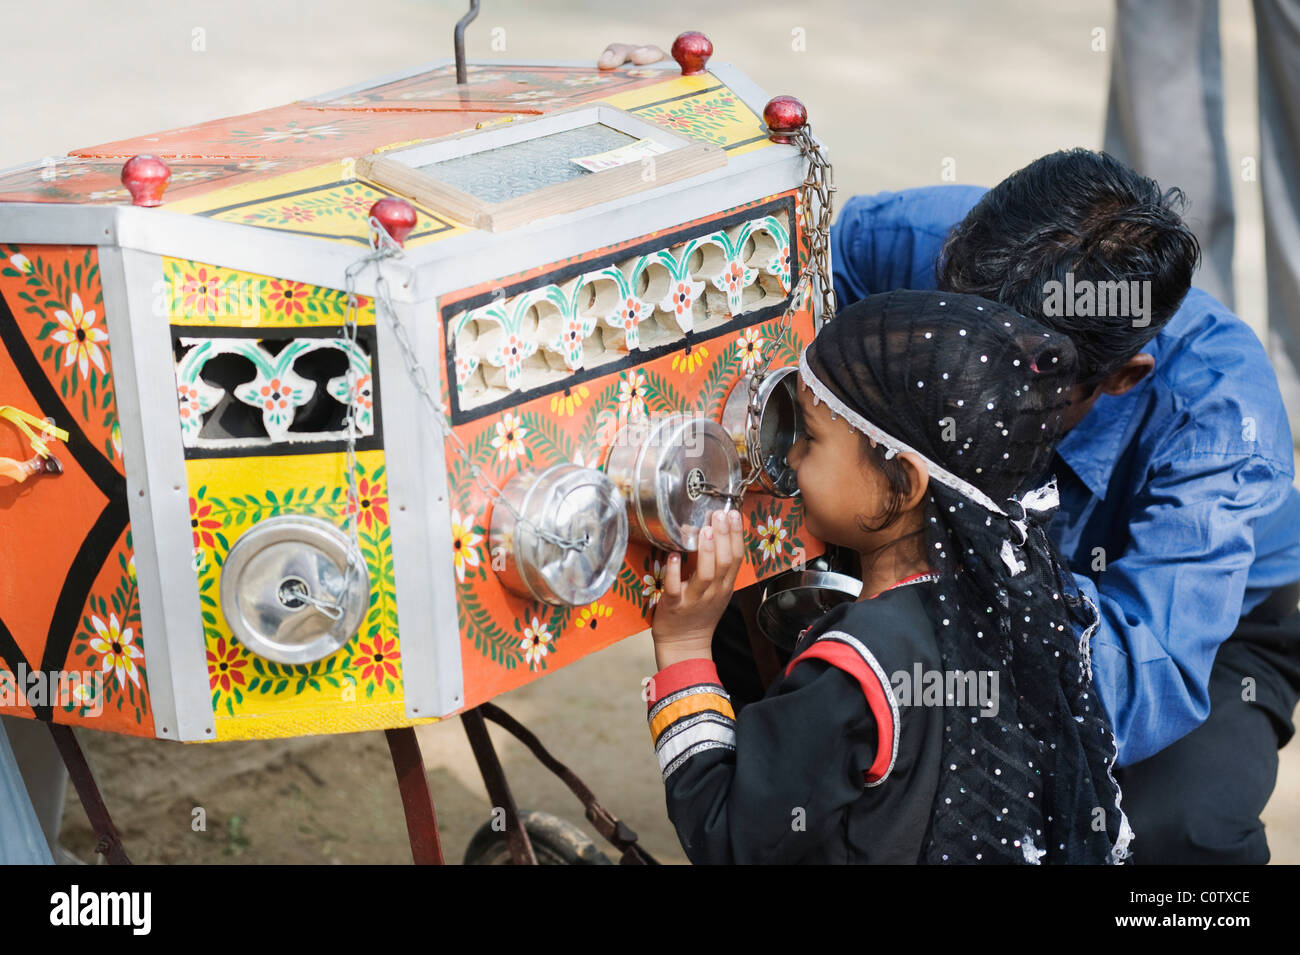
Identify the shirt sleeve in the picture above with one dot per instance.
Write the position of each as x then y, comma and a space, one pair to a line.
891, 240
771, 786
1175, 595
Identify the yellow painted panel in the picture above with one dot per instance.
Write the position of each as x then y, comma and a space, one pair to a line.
357, 688
199, 294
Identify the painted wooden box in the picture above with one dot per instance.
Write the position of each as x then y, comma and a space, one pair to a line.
137, 330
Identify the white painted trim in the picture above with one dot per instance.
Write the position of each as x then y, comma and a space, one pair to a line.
48, 223
419, 511
157, 496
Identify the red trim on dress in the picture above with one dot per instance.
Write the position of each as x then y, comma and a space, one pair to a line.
843, 657
679, 676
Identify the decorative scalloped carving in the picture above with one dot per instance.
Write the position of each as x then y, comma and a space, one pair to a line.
276, 389
541, 336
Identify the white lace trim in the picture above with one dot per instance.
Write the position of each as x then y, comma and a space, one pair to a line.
943, 476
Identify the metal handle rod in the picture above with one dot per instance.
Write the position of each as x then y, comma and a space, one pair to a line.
462, 77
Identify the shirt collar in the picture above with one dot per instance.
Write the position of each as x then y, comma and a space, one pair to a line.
1093, 446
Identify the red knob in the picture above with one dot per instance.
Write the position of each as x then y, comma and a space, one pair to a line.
397, 216
145, 177
783, 116
692, 50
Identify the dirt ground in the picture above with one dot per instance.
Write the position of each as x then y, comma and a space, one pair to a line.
899, 92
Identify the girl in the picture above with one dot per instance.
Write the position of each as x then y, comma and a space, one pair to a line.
925, 414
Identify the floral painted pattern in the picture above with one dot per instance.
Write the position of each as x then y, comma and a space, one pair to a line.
59, 291
509, 438
356, 666
510, 638
718, 117
109, 643
536, 643
464, 544
200, 294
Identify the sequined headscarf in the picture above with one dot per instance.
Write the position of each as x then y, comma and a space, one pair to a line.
978, 391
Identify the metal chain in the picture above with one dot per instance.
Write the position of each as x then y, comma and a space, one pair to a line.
817, 185
415, 371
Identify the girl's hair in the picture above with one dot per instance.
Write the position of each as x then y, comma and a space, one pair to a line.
979, 391
895, 475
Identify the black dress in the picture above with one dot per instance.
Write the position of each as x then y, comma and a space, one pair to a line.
830, 766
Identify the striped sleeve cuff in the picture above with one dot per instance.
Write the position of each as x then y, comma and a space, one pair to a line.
690, 713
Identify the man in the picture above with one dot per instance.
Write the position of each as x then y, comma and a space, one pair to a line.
1178, 515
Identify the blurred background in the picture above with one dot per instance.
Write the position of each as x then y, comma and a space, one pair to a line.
898, 92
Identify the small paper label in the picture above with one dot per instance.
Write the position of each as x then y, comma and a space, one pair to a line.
622, 155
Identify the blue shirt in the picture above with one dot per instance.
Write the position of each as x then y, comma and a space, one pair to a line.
1178, 512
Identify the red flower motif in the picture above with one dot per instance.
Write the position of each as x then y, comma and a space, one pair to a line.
224, 666
357, 204
189, 400
202, 524
377, 657
276, 395
631, 314
364, 398
287, 297
735, 276
202, 293
374, 504
682, 298
296, 214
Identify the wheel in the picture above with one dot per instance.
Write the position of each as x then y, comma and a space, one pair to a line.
555, 842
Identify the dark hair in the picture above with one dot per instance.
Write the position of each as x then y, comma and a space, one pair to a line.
895, 476
1081, 212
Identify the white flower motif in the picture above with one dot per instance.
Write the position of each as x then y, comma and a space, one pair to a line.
751, 348
508, 439
652, 584
464, 549
78, 332
21, 263
771, 538
118, 651
631, 396
536, 642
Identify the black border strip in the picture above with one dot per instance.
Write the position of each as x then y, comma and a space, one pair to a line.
366, 335
562, 274
673, 99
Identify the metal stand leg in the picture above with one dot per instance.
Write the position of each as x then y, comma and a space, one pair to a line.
606, 823
417, 800
110, 843
521, 847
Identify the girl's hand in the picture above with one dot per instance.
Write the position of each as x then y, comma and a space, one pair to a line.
689, 611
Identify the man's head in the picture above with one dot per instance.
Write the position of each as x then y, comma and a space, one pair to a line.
1088, 247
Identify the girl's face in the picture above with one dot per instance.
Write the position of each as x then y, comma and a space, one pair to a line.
836, 483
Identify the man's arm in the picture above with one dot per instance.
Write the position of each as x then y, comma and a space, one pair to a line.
891, 240
1174, 596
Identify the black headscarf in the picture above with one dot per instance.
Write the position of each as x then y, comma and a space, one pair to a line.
978, 390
